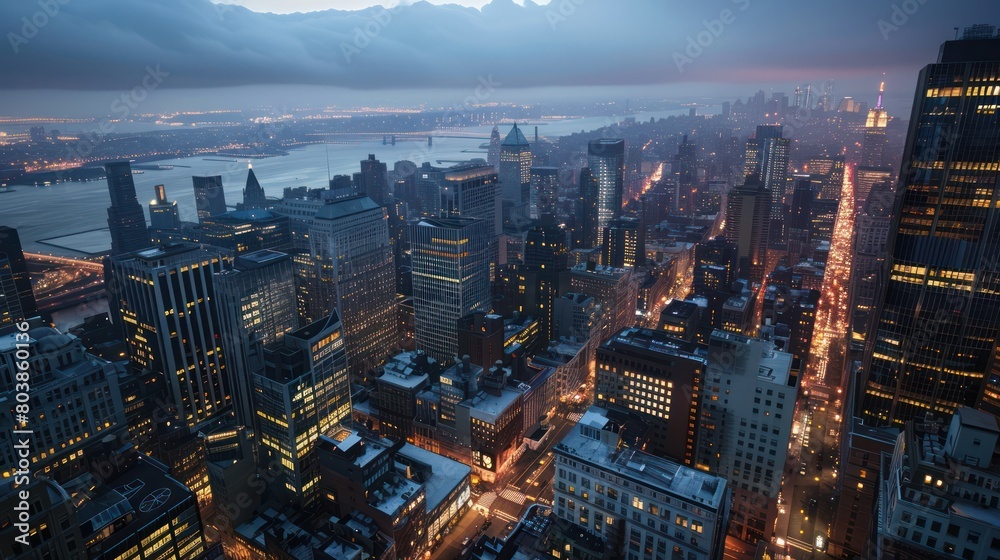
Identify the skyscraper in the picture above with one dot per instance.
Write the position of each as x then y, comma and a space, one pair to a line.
257, 306
209, 196
253, 193
493, 155
302, 393
450, 279
748, 225
125, 218
515, 177
163, 214
935, 330
165, 298
472, 191
355, 274
17, 301
606, 162
686, 172
873, 141
374, 181
767, 157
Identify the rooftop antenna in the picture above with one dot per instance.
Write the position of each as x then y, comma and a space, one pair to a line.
956, 33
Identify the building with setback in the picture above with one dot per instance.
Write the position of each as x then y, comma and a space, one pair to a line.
355, 273
748, 403
640, 505
209, 196
658, 377
126, 221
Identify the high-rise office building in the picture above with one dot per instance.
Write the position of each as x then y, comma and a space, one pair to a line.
616, 289
748, 225
355, 274
257, 306
544, 276
126, 221
624, 243
686, 176
165, 298
935, 331
748, 405
450, 279
515, 176
767, 158
302, 393
163, 214
471, 191
659, 378
544, 190
253, 194
374, 180
17, 301
209, 196
604, 186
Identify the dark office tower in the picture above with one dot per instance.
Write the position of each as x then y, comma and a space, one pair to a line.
257, 306
545, 189
125, 218
624, 243
587, 230
873, 141
871, 228
833, 183
800, 211
374, 182
166, 299
356, 275
935, 329
493, 156
209, 197
450, 259
253, 193
545, 274
767, 157
714, 266
606, 161
748, 225
17, 301
515, 177
481, 337
686, 175
342, 186
163, 214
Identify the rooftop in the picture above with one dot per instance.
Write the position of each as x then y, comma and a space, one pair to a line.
488, 408
446, 474
345, 207
145, 491
688, 484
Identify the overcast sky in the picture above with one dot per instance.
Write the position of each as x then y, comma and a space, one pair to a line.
207, 55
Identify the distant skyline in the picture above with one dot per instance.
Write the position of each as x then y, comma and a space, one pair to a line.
292, 6
223, 55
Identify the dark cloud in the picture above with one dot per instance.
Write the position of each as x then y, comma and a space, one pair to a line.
107, 44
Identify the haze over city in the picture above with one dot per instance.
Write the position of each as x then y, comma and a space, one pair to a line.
499, 280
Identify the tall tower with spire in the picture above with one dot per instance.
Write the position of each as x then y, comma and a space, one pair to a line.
874, 134
253, 193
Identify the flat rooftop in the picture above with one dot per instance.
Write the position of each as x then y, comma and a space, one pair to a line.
688, 484
487, 407
446, 474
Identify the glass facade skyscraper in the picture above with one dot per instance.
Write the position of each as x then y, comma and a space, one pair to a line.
935, 328
450, 279
604, 186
